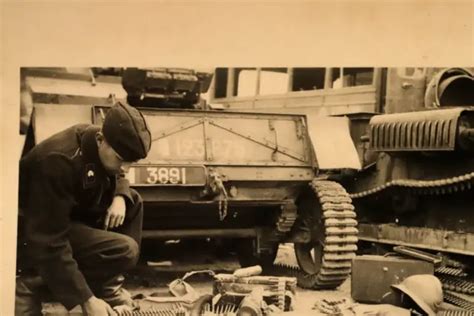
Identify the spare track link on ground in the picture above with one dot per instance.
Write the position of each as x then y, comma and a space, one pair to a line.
457, 284
459, 301
181, 311
340, 243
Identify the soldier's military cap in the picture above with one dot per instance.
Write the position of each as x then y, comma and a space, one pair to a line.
125, 129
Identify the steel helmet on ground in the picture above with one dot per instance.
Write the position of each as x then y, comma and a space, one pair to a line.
425, 290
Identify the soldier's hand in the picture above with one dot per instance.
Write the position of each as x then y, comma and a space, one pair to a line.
115, 213
97, 307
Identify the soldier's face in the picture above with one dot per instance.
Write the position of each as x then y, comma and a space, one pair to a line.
110, 159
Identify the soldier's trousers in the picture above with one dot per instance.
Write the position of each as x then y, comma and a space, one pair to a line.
102, 257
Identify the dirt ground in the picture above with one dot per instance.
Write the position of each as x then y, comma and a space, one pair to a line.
156, 270
153, 276
161, 264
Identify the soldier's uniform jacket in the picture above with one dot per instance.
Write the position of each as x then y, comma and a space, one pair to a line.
61, 180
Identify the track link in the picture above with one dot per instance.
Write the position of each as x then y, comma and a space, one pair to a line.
340, 240
455, 313
456, 284
424, 187
457, 300
172, 311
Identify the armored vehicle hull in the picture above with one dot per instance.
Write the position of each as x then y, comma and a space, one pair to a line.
418, 190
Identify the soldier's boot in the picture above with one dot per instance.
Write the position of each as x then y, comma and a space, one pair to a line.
28, 296
113, 292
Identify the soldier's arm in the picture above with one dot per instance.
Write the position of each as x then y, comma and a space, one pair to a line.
122, 187
50, 201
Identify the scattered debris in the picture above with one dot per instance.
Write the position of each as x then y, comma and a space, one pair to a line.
173, 311
372, 276
166, 263
252, 304
279, 291
334, 307
219, 310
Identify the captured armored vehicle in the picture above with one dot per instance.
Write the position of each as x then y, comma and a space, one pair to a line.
416, 152
260, 178
413, 129
418, 190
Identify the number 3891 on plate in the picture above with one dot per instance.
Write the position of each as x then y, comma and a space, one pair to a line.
167, 175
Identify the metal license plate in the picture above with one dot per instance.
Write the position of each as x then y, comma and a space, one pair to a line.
167, 175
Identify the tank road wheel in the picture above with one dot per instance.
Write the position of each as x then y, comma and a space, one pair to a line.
327, 213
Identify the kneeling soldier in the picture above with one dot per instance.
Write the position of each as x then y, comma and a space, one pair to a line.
80, 224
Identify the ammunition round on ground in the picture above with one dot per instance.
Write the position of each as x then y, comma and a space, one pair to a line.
249, 271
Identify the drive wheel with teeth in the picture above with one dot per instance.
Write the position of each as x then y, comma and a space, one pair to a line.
327, 213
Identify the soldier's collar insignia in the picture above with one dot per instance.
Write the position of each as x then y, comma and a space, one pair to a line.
89, 174
90, 154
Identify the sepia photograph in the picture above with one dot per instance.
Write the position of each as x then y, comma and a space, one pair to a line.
330, 184
234, 159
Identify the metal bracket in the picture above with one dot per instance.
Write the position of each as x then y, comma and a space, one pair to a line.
300, 128
112, 98
271, 126
216, 186
91, 73
419, 254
